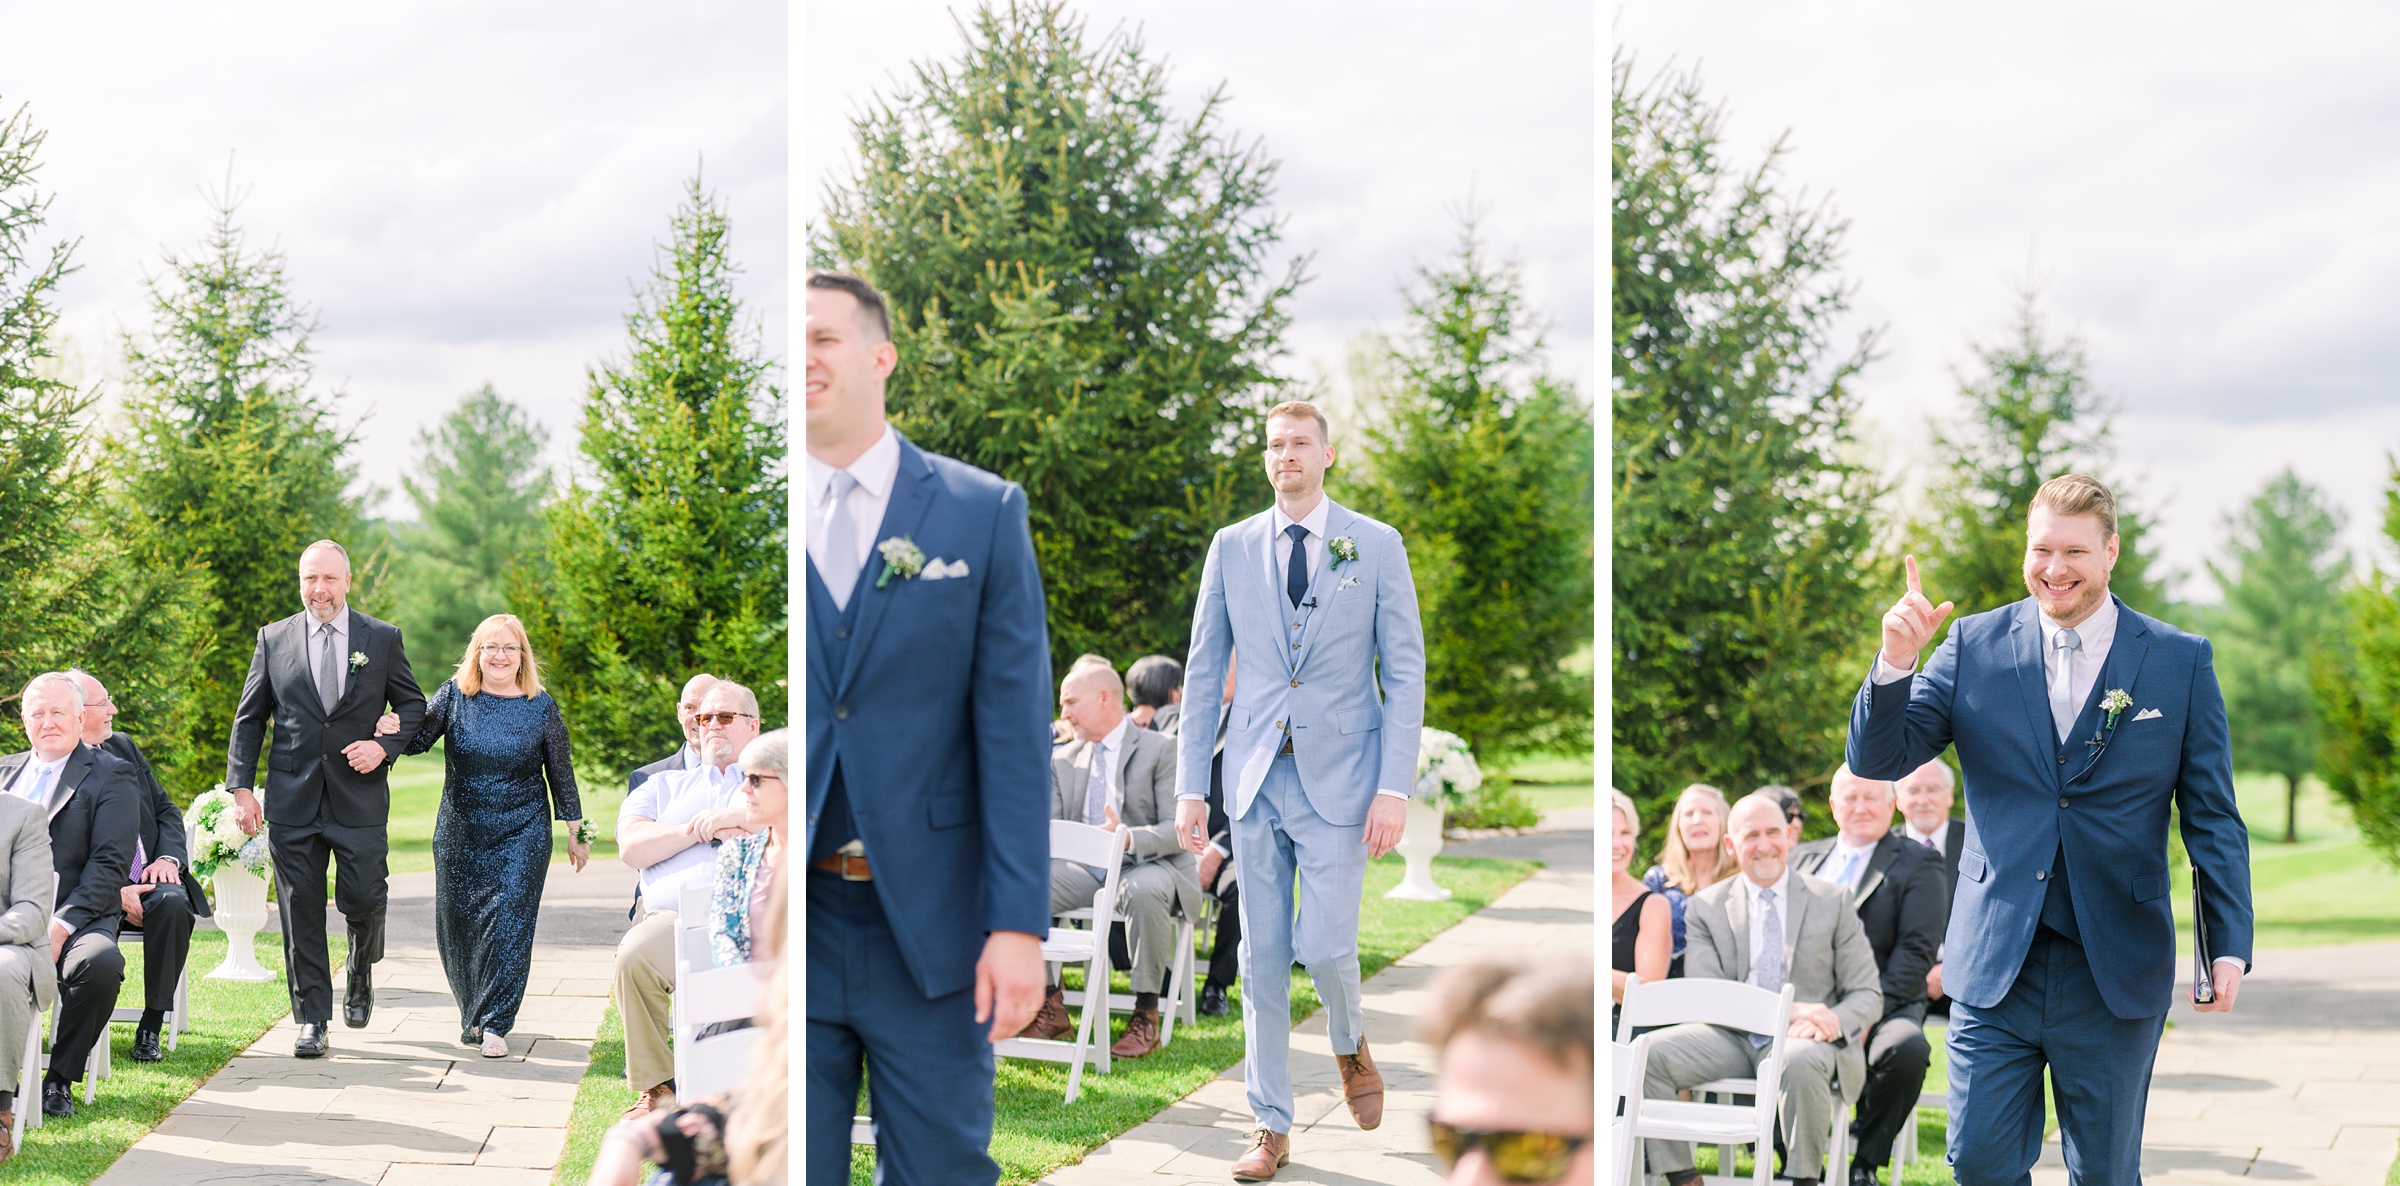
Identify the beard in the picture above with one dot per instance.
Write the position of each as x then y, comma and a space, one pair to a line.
2068, 609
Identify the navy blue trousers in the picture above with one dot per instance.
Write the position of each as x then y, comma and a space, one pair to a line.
2099, 1067
930, 1064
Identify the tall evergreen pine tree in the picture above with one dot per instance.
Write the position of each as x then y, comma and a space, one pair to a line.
478, 494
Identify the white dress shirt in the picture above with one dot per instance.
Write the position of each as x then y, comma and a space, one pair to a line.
674, 798
1932, 840
1758, 920
1847, 864
876, 470
1104, 765
341, 650
1312, 545
38, 781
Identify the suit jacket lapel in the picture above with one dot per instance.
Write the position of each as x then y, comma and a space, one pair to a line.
2124, 665
70, 777
1879, 861
11, 768
912, 495
823, 619
1337, 524
350, 675
1737, 912
297, 673
1272, 600
1122, 760
2025, 638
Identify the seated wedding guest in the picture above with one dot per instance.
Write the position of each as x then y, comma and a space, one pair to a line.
1799, 931
1641, 935
164, 896
669, 829
1219, 876
1693, 858
1788, 799
746, 865
95, 812
1154, 686
689, 756
1925, 799
1122, 778
1516, 1081
1904, 905
28, 983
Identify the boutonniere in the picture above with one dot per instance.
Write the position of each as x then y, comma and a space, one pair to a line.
1343, 548
358, 659
900, 558
2115, 702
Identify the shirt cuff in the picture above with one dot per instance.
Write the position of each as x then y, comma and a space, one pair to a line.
1400, 795
1885, 673
60, 920
2236, 960
1180, 797
1219, 849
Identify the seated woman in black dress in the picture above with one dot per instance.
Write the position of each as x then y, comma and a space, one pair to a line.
505, 766
1640, 933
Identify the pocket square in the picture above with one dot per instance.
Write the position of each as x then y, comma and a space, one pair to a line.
936, 570
2148, 714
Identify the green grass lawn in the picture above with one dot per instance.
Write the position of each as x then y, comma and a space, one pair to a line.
599, 1099
1553, 781
2328, 888
226, 1018
1035, 1132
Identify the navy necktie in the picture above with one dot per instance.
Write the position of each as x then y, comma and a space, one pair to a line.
1295, 574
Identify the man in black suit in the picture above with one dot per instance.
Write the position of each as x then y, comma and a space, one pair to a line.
92, 804
323, 676
1925, 799
1903, 906
688, 756
162, 896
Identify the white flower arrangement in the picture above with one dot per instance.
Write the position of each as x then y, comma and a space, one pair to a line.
901, 558
218, 840
1343, 548
1446, 769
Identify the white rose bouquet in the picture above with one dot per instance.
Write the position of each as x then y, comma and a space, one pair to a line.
1446, 769
218, 840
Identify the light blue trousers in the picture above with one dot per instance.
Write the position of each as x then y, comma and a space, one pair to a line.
1283, 846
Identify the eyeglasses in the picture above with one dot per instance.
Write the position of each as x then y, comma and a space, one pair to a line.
720, 718
500, 648
1525, 1157
754, 779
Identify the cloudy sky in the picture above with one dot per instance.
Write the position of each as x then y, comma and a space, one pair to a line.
2201, 194
463, 192
1385, 117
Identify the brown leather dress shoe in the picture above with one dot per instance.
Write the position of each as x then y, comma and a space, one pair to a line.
658, 1099
1141, 1035
1362, 1086
1269, 1151
8, 1126
1050, 1021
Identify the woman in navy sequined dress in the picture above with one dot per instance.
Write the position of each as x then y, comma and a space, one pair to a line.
505, 769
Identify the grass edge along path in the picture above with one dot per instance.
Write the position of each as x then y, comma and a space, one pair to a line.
1035, 1132
227, 1016
599, 1099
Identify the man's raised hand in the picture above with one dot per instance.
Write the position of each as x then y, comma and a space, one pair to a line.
1911, 622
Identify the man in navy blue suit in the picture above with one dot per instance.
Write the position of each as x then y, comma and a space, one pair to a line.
928, 774
2078, 724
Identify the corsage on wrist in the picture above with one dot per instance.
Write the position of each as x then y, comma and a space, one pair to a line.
583, 831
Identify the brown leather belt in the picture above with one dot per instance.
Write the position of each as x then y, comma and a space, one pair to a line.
851, 868
1287, 744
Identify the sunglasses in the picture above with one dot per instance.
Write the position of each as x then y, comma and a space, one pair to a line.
1525, 1157
719, 718
753, 779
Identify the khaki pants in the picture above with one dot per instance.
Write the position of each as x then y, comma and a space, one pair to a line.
643, 984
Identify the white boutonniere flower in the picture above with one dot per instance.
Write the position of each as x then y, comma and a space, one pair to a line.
2115, 702
900, 558
1343, 548
358, 659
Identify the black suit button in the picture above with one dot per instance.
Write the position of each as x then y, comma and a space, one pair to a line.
841, 712
2041, 875
843, 632
2062, 802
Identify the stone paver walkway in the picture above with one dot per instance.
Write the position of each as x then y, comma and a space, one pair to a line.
2300, 1083
401, 1102
1194, 1142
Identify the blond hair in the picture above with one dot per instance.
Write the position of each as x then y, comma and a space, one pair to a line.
2076, 494
1689, 871
1293, 409
469, 676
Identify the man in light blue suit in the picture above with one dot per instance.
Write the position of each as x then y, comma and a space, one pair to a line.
1315, 604
928, 842
2078, 723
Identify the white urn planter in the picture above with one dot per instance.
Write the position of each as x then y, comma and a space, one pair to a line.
241, 909
1419, 842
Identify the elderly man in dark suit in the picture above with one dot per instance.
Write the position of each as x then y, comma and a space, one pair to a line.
1903, 904
1925, 798
94, 812
163, 897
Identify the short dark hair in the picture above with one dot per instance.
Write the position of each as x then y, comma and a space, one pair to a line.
1152, 679
869, 300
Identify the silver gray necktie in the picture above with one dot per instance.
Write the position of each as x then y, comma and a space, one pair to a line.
328, 686
1096, 798
1768, 970
2062, 689
841, 542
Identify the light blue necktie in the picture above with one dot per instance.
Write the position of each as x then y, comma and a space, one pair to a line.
39, 792
2062, 690
1769, 969
1096, 798
841, 542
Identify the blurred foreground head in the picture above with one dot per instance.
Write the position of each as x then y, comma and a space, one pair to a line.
1514, 1100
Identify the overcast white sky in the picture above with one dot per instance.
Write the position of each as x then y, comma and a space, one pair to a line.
1383, 115
2204, 187
464, 192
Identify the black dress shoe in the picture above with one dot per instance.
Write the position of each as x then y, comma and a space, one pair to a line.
1212, 1001
312, 1040
58, 1099
366, 946
1862, 1175
145, 1046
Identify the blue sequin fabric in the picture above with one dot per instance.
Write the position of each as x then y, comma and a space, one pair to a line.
505, 764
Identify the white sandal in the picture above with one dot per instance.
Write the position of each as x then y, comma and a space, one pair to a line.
494, 1046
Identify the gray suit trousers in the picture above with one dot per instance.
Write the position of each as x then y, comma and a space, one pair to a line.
16, 1009
1686, 1056
1148, 891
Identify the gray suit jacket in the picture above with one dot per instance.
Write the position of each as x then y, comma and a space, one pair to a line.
1831, 962
1142, 785
27, 885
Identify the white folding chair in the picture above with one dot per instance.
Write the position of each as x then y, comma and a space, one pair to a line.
704, 995
1627, 1063
1904, 1147
29, 1084
1102, 849
862, 1130
1180, 1000
1733, 1005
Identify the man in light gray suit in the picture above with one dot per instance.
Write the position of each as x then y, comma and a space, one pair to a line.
1120, 776
1769, 927
28, 980
1320, 754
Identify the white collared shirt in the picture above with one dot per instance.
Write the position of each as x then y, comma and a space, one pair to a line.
1758, 919
1313, 545
341, 649
1934, 839
876, 470
1846, 865
674, 798
32, 777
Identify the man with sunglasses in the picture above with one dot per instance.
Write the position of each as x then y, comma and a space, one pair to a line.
1513, 1100
689, 755
669, 828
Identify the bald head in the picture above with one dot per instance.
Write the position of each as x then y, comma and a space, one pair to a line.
695, 690
1759, 838
1092, 699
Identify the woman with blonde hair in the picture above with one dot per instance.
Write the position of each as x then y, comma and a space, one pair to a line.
505, 768
1694, 856
1640, 935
